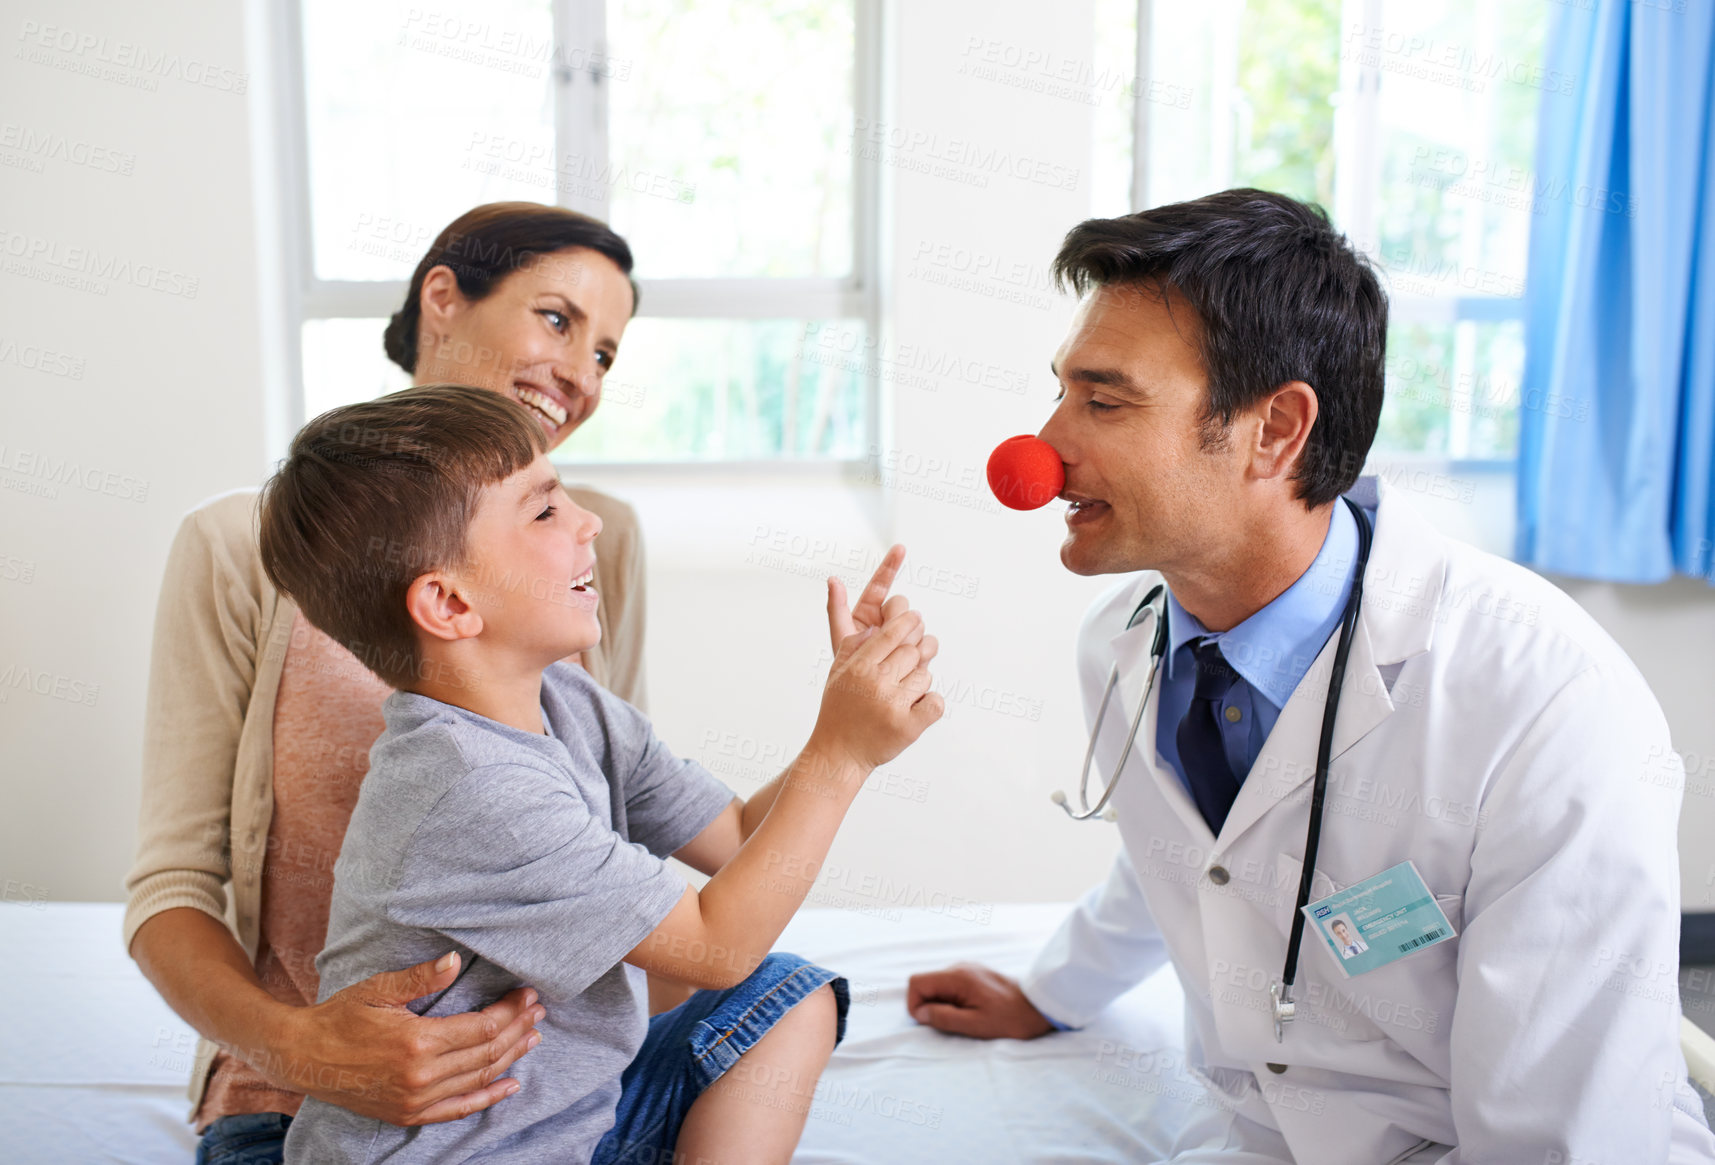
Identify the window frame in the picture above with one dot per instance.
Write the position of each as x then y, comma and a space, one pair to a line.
1355, 211
580, 126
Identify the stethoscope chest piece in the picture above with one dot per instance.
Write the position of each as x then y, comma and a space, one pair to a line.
1285, 1010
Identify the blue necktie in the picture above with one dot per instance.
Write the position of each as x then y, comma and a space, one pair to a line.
1202, 757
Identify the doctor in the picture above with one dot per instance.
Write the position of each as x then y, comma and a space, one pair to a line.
1220, 387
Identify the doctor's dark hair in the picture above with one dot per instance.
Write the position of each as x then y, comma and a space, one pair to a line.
1279, 295
373, 495
489, 242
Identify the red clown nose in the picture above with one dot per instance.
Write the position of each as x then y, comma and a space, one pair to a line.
1025, 472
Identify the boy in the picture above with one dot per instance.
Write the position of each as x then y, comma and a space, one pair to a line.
518, 814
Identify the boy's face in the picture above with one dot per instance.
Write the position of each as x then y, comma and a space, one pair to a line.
532, 557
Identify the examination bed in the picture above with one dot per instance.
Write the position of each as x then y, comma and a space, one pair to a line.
93, 1064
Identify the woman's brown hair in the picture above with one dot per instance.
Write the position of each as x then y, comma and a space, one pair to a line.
484, 245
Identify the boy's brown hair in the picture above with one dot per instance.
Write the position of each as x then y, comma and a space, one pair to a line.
371, 496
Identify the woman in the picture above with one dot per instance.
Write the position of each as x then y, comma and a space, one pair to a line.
258, 729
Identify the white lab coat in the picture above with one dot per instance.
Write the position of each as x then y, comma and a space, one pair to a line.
1490, 732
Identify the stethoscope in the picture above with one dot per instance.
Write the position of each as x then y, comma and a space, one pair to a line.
1155, 603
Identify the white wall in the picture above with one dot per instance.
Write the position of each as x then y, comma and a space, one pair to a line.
170, 394
151, 400
945, 822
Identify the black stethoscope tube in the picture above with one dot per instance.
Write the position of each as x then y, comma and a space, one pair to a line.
1324, 756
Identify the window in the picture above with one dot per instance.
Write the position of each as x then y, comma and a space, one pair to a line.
751, 218
1414, 122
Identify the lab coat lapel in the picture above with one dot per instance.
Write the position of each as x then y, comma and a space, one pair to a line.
1132, 657
1402, 589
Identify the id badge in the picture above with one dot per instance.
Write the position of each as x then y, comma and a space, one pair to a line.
1372, 923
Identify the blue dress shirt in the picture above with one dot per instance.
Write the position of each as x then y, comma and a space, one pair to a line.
1271, 651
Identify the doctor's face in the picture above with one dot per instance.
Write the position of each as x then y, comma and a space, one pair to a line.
1149, 491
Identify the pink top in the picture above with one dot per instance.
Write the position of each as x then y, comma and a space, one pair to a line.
327, 715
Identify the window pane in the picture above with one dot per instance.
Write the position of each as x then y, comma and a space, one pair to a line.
1453, 389
730, 135
1240, 95
1116, 109
1456, 108
416, 114
710, 390
344, 363
683, 390
1457, 137
1288, 72
1455, 113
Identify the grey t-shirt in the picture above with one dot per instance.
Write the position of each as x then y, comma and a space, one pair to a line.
540, 860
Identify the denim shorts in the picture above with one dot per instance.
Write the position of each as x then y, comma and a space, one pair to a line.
245, 1138
687, 1049
691, 1046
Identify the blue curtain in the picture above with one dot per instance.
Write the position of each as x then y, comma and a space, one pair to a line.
1616, 466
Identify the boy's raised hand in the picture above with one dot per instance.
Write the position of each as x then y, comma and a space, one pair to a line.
870, 611
877, 699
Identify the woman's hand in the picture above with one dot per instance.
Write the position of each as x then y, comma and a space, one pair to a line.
868, 614
363, 1050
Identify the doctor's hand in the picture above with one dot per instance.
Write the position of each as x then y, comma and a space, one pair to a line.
873, 607
970, 1000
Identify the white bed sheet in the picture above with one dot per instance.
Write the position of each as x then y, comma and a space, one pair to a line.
93, 1064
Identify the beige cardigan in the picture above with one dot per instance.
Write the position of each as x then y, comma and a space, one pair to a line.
221, 631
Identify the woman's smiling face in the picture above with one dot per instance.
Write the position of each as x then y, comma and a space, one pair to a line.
546, 334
